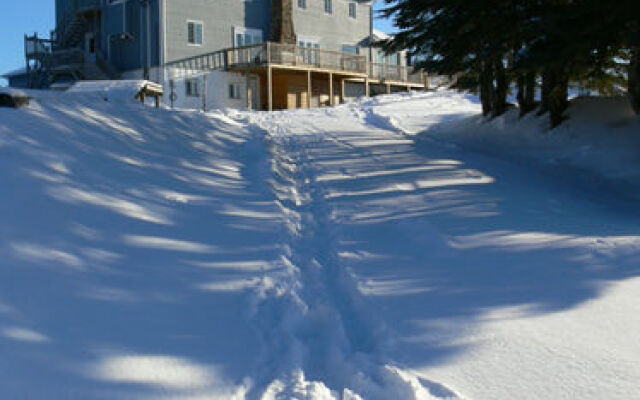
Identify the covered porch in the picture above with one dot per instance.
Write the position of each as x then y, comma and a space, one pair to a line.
296, 77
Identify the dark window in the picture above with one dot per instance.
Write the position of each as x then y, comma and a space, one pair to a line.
352, 10
194, 33
328, 6
193, 87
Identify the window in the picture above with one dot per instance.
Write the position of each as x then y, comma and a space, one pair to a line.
309, 45
193, 87
194, 33
352, 10
351, 49
328, 6
302, 4
247, 36
234, 91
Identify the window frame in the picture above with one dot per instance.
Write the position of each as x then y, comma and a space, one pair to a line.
195, 23
235, 92
353, 10
328, 7
190, 84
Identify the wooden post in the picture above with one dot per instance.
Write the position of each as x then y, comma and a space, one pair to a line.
309, 89
204, 93
270, 87
331, 97
342, 91
367, 89
157, 101
388, 88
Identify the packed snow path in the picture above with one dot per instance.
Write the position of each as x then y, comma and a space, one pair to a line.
316, 254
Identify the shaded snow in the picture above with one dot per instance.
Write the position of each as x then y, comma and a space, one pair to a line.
312, 254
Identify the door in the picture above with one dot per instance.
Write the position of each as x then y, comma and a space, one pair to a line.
90, 47
253, 93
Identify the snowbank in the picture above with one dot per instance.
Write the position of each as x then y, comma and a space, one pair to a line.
122, 90
313, 254
600, 141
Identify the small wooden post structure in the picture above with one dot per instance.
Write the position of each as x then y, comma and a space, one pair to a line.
367, 89
150, 89
342, 91
388, 88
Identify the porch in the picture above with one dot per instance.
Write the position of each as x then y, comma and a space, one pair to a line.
298, 77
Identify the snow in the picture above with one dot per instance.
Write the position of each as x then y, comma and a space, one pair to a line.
392, 248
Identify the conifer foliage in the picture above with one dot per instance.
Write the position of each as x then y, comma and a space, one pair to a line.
535, 45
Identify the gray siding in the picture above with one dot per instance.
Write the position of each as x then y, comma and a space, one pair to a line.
219, 18
333, 30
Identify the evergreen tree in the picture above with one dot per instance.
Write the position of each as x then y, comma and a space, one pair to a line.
488, 44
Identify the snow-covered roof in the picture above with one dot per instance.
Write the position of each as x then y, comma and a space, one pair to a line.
381, 35
15, 72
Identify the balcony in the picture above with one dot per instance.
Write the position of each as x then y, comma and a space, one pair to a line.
284, 55
294, 57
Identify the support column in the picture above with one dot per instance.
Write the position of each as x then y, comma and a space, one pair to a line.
342, 91
204, 93
388, 88
270, 87
309, 89
331, 97
367, 89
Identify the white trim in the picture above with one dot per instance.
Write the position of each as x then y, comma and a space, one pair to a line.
309, 39
162, 35
195, 22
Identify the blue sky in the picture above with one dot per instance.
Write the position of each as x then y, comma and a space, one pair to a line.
20, 17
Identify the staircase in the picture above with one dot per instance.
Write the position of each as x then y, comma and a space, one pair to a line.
64, 59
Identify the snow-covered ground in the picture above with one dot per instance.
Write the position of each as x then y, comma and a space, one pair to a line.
312, 254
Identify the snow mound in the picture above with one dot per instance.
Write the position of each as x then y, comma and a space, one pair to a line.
120, 90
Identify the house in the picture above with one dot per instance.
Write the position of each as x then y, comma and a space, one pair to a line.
260, 54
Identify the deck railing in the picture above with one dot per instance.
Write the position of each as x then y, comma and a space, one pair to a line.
292, 55
295, 56
396, 73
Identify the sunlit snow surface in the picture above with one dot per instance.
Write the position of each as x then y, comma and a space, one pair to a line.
323, 254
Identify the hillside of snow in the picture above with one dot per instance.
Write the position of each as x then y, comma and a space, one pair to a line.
377, 250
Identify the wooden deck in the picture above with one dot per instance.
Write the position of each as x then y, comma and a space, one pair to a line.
299, 70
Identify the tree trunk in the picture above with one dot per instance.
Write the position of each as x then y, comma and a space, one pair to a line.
530, 85
522, 92
558, 101
634, 79
486, 89
526, 92
501, 88
547, 86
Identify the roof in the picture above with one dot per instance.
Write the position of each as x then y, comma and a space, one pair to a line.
381, 35
14, 73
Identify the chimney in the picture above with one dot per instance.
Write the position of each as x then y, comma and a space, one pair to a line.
282, 30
